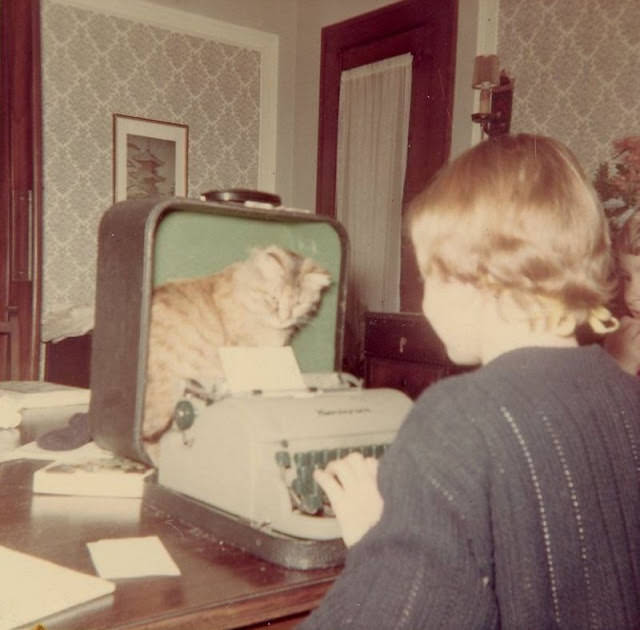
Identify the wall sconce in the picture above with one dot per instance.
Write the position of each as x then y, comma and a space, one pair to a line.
496, 95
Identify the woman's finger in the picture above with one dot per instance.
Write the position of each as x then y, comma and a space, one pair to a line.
345, 470
372, 466
332, 488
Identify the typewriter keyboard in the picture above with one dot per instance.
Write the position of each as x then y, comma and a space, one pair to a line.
298, 469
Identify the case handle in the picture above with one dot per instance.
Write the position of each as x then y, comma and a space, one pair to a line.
243, 196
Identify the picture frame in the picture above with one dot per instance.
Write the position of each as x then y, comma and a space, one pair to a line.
150, 158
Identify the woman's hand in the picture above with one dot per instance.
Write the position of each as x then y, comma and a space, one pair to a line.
351, 486
624, 344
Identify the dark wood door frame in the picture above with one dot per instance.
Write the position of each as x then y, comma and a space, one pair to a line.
427, 29
20, 184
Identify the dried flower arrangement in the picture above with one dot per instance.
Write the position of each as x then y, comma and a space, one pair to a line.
617, 181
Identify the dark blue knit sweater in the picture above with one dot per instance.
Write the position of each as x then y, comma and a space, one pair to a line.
512, 500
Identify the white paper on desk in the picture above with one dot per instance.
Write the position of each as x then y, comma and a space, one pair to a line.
265, 368
32, 588
143, 556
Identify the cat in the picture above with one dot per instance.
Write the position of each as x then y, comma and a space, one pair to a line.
260, 301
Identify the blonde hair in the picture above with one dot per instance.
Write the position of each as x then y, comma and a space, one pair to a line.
515, 214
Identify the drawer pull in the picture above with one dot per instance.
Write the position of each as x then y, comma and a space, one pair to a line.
403, 343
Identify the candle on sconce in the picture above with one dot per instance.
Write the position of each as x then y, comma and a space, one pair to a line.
496, 94
486, 75
485, 102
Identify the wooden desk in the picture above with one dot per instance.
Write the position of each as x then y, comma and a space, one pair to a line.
220, 586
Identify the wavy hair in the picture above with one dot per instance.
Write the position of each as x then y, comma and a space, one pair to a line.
516, 214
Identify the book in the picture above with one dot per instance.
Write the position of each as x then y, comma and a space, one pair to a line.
16, 396
33, 589
104, 477
114, 511
30, 394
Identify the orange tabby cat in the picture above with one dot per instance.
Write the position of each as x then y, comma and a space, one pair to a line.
260, 301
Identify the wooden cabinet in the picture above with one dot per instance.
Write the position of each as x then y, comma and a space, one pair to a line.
403, 351
69, 361
409, 376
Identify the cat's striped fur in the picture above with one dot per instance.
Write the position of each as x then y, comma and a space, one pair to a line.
260, 301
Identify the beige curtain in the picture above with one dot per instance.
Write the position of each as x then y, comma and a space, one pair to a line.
372, 153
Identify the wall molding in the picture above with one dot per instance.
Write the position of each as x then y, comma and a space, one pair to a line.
267, 44
488, 11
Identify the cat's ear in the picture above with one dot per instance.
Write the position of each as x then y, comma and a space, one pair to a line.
272, 253
318, 280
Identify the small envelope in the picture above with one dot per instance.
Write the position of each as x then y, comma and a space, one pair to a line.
131, 557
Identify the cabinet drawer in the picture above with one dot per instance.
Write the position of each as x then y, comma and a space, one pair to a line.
408, 376
403, 336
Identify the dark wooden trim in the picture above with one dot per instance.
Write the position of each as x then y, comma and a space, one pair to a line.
5, 152
5, 196
416, 25
21, 182
38, 179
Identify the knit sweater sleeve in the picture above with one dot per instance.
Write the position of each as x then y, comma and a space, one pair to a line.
420, 566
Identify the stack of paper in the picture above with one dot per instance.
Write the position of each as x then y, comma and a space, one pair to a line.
16, 396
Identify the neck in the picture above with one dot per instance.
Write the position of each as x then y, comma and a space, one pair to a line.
506, 330
509, 337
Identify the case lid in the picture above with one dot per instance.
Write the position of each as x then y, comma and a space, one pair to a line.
144, 243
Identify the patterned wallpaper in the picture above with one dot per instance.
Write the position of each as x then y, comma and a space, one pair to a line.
575, 67
95, 65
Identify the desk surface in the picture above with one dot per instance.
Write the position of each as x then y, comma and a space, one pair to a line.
220, 586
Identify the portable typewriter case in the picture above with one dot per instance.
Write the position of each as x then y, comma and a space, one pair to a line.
232, 468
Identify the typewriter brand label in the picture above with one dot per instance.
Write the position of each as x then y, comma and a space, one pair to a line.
336, 412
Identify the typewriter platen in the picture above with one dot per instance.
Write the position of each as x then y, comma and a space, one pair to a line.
253, 455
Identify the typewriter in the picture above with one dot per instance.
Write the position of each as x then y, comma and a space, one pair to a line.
253, 454
237, 464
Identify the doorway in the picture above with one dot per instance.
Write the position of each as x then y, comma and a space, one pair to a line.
425, 32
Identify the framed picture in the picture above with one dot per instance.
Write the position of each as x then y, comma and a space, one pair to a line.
150, 158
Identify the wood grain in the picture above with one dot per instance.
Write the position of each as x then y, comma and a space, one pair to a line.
220, 586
